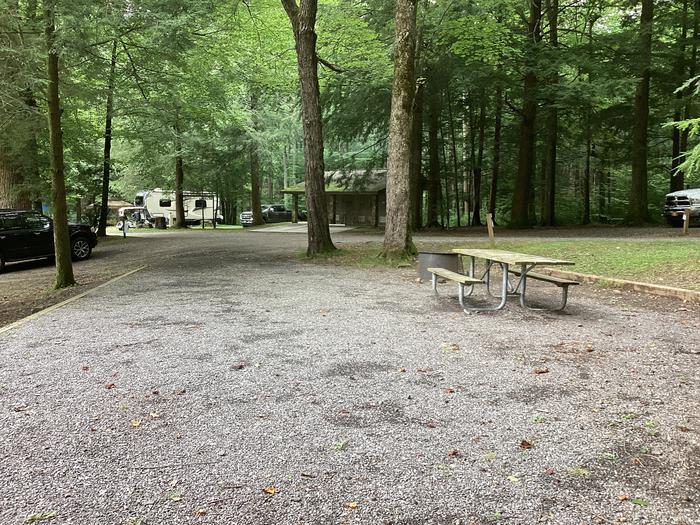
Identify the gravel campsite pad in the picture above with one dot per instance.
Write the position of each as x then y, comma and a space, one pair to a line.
237, 386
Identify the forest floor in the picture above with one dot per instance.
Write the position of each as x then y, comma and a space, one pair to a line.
229, 382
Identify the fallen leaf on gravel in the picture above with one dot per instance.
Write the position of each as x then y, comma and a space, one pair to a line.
135, 423
550, 472
636, 461
351, 504
490, 455
683, 429
41, 516
271, 490
341, 445
541, 371
238, 366
110, 386
307, 475
402, 370
641, 502
449, 391
180, 392
622, 497
200, 512
424, 369
176, 496
450, 347
454, 453
154, 415
513, 479
85, 368
430, 424
20, 408
155, 392
525, 444
324, 312
178, 436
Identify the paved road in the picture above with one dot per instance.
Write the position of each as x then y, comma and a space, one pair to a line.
228, 367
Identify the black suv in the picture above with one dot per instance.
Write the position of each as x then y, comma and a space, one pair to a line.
26, 234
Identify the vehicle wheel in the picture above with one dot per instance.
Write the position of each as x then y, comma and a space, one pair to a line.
80, 249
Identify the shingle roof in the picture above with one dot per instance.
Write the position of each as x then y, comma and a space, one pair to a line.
348, 181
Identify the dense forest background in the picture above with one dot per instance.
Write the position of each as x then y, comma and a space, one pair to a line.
534, 111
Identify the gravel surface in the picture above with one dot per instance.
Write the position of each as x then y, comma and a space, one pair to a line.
183, 392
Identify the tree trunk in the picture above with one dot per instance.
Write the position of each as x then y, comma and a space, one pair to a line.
256, 206
678, 178
179, 178
453, 157
416, 204
397, 234
552, 124
434, 166
639, 211
520, 213
12, 194
478, 165
61, 235
303, 19
495, 168
107, 163
676, 182
586, 219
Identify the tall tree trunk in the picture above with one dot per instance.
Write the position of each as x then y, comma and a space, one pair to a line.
520, 213
255, 203
639, 200
496, 161
397, 234
676, 177
434, 166
453, 156
550, 166
179, 177
303, 19
270, 189
285, 172
61, 234
416, 204
107, 163
478, 165
586, 219
679, 181
12, 193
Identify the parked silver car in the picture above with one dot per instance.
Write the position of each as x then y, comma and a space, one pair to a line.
679, 201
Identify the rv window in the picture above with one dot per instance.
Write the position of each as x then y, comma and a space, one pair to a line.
139, 200
200, 203
165, 203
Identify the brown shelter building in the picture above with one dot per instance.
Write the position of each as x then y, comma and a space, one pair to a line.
355, 198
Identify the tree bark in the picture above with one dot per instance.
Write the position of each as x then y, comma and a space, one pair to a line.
179, 178
453, 157
434, 164
639, 200
496, 162
397, 233
303, 20
61, 234
586, 219
550, 167
107, 163
520, 213
478, 165
256, 206
417, 161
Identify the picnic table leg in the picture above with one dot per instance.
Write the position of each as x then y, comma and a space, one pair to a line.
504, 296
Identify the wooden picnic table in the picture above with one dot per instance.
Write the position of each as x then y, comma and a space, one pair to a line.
523, 262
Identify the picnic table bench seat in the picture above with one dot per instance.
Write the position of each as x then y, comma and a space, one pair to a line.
557, 281
454, 276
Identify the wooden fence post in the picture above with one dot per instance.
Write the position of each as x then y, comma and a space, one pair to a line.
489, 226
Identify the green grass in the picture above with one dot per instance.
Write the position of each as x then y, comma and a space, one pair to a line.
671, 263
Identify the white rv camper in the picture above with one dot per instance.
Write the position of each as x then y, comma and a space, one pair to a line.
199, 206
